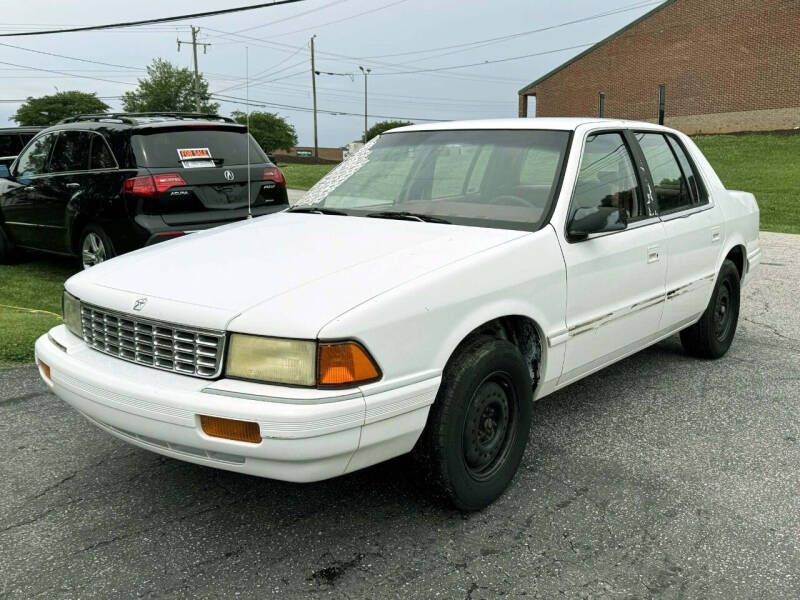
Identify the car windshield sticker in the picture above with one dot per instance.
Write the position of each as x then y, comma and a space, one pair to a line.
195, 157
338, 175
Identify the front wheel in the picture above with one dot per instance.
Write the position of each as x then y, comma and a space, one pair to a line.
478, 427
95, 247
712, 335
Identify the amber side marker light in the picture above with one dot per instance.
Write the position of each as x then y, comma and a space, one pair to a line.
231, 429
45, 369
343, 363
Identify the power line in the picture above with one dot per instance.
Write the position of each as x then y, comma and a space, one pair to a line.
264, 103
84, 60
486, 42
66, 74
488, 62
210, 13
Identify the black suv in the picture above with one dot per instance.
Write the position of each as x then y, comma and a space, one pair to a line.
12, 140
100, 185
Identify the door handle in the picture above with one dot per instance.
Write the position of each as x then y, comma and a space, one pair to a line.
652, 254
716, 235
72, 186
30, 188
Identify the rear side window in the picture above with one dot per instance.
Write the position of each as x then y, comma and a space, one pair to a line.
674, 190
159, 149
101, 157
71, 152
696, 188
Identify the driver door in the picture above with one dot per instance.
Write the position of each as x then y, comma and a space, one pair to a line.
19, 203
615, 280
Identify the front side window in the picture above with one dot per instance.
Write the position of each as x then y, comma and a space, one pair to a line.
672, 189
607, 177
71, 152
483, 178
33, 161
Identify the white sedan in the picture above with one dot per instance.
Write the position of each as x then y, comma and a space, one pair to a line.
420, 297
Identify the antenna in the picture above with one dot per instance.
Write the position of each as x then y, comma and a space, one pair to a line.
247, 108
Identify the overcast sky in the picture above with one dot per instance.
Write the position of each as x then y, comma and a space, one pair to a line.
279, 58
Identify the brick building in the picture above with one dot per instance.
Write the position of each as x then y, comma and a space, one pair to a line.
726, 65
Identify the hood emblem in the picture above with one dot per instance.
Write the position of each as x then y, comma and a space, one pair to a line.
139, 304
228, 175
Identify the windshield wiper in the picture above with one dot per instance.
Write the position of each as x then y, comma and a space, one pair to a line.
407, 216
316, 210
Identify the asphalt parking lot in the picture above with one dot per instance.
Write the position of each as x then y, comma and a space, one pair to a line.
661, 476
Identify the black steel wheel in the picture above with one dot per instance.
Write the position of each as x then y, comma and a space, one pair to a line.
713, 334
478, 426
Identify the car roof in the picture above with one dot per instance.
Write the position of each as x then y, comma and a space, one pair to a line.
552, 123
145, 123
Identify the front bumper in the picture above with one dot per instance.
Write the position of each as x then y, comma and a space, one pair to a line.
307, 435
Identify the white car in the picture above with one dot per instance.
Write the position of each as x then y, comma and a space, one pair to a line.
419, 297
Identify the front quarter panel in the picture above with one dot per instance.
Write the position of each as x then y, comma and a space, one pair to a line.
413, 330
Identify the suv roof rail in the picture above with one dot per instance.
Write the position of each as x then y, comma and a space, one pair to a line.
130, 117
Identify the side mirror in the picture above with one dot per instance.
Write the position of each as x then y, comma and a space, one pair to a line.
599, 219
4, 172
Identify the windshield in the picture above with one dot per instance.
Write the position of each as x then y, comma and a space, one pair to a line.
214, 147
485, 178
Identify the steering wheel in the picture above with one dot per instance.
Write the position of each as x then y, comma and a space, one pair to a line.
511, 200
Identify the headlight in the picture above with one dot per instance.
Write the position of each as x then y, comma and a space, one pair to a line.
274, 360
71, 307
300, 362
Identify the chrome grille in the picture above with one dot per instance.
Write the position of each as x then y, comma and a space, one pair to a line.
155, 344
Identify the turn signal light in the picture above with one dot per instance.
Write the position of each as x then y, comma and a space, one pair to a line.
344, 363
231, 429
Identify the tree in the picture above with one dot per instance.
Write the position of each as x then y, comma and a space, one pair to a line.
168, 88
270, 131
48, 110
382, 126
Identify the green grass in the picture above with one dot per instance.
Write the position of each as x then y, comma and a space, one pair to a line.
768, 165
302, 177
34, 284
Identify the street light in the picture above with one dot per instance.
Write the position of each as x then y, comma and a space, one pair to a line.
365, 72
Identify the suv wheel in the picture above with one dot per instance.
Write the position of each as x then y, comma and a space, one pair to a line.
95, 247
478, 427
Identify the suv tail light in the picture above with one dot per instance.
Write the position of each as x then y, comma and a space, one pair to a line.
149, 186
274, 174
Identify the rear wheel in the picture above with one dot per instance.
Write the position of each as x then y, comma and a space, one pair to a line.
712, 335
478, 427
95, 247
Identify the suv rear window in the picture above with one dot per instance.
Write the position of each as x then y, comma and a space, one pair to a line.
159, 149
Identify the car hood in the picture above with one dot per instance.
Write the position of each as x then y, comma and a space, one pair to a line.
283, 274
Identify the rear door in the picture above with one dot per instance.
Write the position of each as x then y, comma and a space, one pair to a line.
212, 162
693, 226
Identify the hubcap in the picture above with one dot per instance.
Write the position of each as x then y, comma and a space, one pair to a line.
93, 251
722, 312
489, 426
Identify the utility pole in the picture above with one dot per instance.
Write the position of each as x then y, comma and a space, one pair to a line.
365, 72
314, 95
195, 44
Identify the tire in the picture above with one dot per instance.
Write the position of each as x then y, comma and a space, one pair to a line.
478, 426
712, 335
94, 247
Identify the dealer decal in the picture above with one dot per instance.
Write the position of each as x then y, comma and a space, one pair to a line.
195, 157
